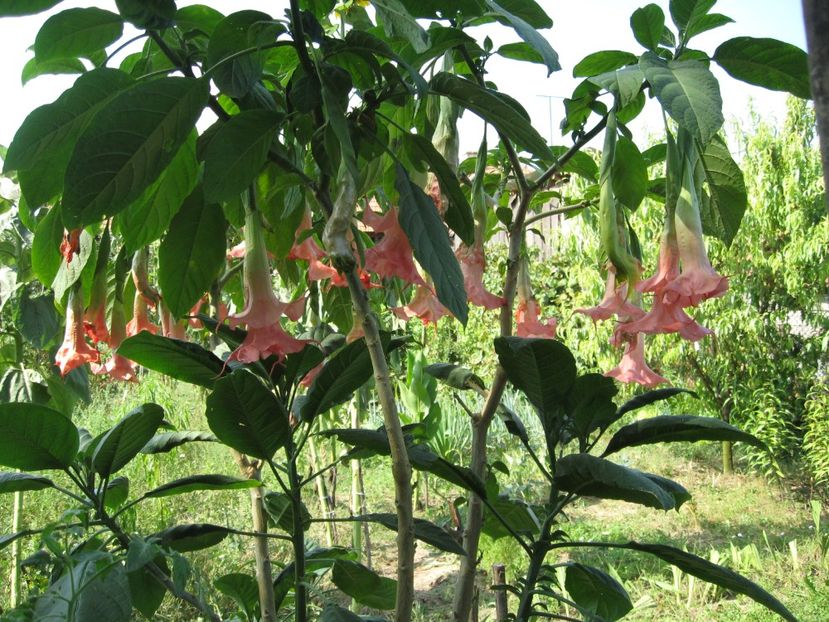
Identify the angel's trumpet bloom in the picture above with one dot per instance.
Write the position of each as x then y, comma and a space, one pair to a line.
308, 250
117, 367
140, 317
633, 367
425, 306
613, 302
74, 351
473, 264
392, 256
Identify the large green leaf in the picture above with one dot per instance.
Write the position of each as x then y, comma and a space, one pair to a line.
678, 428
629, 174
37, 319
126, 438
685, 12
688, 92
514, 512
602, 62
181, 360
237, 152
128, 145
149, 216
424, 530
77, 32
47, 136
148, 14
364, 585
201, 482
647, 24
335, 613
713, 573
597, 592
146, 592
191, 537
625, 84
722, 209
769, 63
649, 397
345, 372
247, 416
243, 589
423, 226
167, 441
458, 213
398, 22
192, 254
33, 438
590, 403
46, 257
588, 475
530, 35
16, 8
234, 34
493, 109
16, 482
543, 369
57, 66
280, 510
105, 596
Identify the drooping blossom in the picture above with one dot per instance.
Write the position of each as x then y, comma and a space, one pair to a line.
140, 317
527, 312
263, 310
170, 327
425, 306
633, 367
308, 250
74, 351
117, 367
473, 264
392, 256
194, 321
614, 301
95, 323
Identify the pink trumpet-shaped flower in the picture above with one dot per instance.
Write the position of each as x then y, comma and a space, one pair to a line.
473, 264
613, 302
667, 266
633, 367
666, 318
263, 310
140, 317
169, 326
95, 322
74, 351
308, 250
527, 323
392, 256
424, 305
117, 367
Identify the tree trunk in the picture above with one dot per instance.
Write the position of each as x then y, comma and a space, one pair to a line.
499, 577
816, 16
727, 458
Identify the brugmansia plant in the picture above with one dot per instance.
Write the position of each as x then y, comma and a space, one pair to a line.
333, 157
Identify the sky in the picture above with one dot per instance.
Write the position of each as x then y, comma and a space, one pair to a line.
580, 27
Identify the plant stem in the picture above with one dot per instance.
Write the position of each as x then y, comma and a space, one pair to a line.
14, 580
297, 538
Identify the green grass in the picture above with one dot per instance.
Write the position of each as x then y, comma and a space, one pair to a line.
743, 521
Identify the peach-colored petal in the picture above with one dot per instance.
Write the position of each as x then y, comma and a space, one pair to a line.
614, 302
473, 264
74, 351
392, 256
633, 367
140, 317
95, 323
71, 244
666, 318
424, 306
528, 324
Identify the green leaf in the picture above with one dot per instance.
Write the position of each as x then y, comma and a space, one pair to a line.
493, 109
458, 213
629, 174
513, 423
146, 592
364, 585
543, 369
47, 136
722, 210
16, 482
520, 51
655, 154
456, 376
424, 531
237, 152
128, 145
335, 613
597, 592
126, 438
37, 319
516, 513
588, 475
421, 222
234, 34
580, 164
191, 537
345, 372
602, 62
77, 32
647, 24
35, 438
148, 14
713, 573
117, 491
530, 35
649, 397
192, 254
678, 428
16, 8
688, 92
57, 66
149, 216
398, 22
246, 416
590, 403
181, 360
70, 273
23, 385
167, 441
685, 12
280, 510
706, 23
625, 84
769, 63
201, 482
243, 589
46, 257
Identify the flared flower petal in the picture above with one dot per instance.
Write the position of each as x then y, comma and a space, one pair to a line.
140, 317
74, 351
308, 250
633, 367
424, 306
392, 256
528, 324
614, 302
666, 318
473, 264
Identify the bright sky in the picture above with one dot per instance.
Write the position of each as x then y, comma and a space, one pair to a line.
580, 27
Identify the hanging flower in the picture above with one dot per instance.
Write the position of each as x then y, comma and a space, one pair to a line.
263, 311
170, 327
140, 317
614, 301
633, 367
117, 367
665, 318
308, 250
527, 311
424, 306
473, 264
74, 351
392, 256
